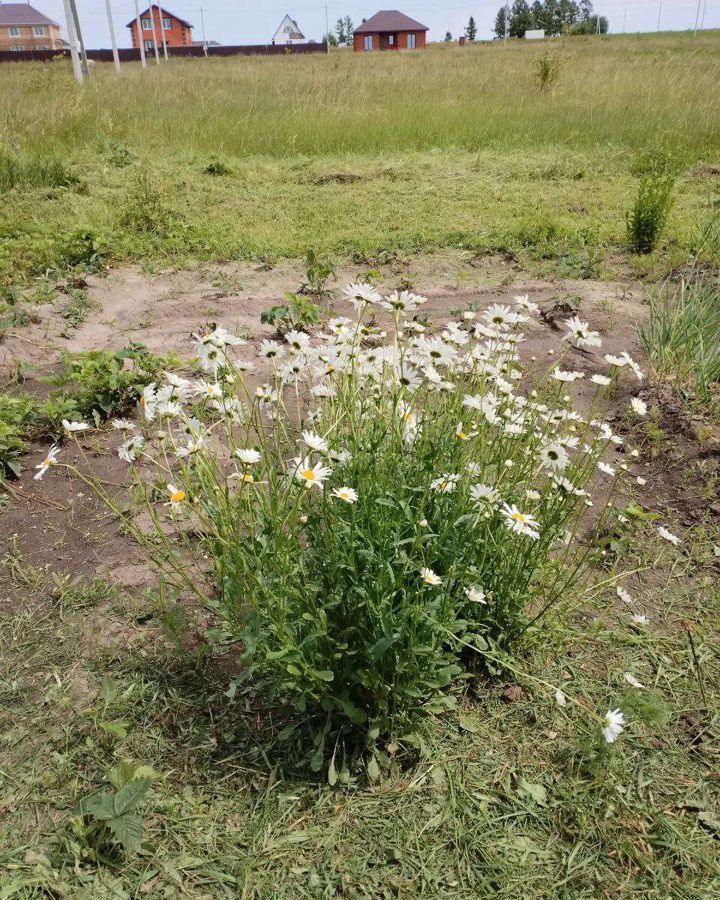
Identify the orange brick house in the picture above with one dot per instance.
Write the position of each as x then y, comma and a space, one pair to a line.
24, 28
177, 32
389, 30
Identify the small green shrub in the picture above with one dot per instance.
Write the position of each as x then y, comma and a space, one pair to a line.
320, 270
15, 414
298, 312
650, 213
145, 209
547, 70
216, 167
82, 249
370, 512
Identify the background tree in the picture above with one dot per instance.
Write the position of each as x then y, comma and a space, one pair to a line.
500, 22
330, 38
349, 29
521, 18
471, 29
448, 37
340, 31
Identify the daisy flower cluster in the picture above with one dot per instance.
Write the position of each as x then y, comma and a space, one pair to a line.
359, 498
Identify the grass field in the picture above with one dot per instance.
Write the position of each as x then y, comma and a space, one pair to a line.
232, 170
363, 156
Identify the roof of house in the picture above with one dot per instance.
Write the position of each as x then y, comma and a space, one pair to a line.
165, 11
295, 34
22, 14
389, 20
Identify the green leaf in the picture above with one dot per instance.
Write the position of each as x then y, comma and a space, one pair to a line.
332, 773
127, 830
373, 769
536, 791
127, 798
100, 805
468, 724
356, 715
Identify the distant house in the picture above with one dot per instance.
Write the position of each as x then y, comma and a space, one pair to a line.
177, 31
288, 32
535, 34
389, 30
24, 28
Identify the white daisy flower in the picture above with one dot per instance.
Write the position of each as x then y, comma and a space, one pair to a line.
177, 497
361, 295
560, 375
475, 595
71, 427
579, 334
554, 456
50, 460
524, 303
639, 619
429, 577
520, 523
311, 475
209, 389
614, 725
248, 456
298, 340
271, 350
623, 595
632, 680
639, 407
445, 484
602, 380
484, 495
606, 468
560, 698
348, 494
131, 449
123, 424
315, 441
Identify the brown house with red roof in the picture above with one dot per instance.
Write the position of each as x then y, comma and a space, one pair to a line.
24, 28
176, 31
389, 30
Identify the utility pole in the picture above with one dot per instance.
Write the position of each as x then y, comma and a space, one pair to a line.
624, 19
116, 56
697, 18
155, 46
138, 28
507, 22
702, 20
327, 31
162, 30
659, 15
78, 34
202, 22
72, 40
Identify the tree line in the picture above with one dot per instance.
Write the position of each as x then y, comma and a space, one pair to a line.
552, 16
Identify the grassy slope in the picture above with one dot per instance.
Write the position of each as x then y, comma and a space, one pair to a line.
451, 147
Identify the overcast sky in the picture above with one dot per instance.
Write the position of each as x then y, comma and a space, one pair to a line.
254, 22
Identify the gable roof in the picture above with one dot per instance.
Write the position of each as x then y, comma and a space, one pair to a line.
389, 20
22, 14
296, 34
166, 13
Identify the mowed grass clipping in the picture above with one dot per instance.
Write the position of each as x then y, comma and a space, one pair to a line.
359, 155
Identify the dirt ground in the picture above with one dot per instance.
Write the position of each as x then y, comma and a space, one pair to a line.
55, 525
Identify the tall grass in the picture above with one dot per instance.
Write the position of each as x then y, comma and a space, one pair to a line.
622, 93
682, 336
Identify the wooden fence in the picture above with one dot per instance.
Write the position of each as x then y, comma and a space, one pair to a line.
133, 54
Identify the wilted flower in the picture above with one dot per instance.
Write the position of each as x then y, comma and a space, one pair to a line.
50, 460
248, 456
579, 334
315, 441
71, 427
623, 595
639, 619
614, 725
445, 484
668, 536
639, 407
632, 680
475, 595
177, 497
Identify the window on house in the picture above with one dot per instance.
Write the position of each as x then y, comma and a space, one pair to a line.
18, 47
167, 24
14, 31
43, 47
146, 24
411, 41
149, 45
39, 30
391, 39
368, 42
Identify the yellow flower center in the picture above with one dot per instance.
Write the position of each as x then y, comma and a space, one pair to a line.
462, 435
247, 477
308, 474
519, 517
177, 496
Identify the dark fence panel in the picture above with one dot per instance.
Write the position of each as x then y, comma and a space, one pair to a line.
133, 54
